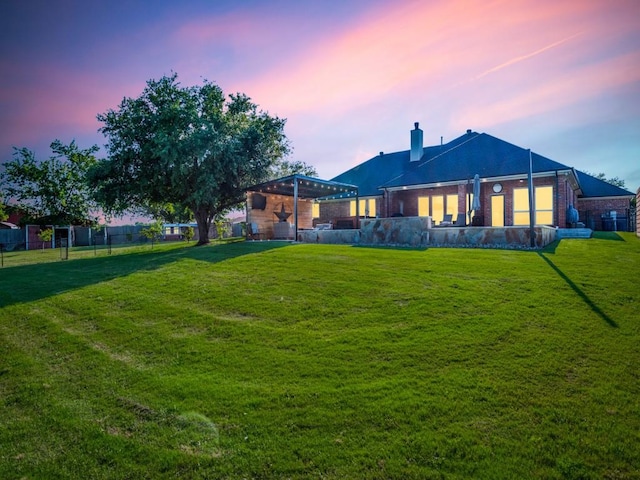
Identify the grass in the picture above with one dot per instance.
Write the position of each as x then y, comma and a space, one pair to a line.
276, 360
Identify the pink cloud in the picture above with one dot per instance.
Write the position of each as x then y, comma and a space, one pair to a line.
62, 104
569, 88
418, 48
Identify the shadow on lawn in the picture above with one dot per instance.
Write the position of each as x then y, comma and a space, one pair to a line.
34, 282
608, 236
580, 293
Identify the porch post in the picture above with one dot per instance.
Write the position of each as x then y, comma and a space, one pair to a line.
532, 202
295, 207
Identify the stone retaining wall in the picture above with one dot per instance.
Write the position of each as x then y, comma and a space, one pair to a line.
419, 232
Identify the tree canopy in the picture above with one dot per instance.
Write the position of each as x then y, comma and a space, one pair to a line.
618, 182
191, 147
3, 214
286, 168
54, 191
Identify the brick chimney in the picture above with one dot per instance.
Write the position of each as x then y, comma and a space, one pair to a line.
417, 146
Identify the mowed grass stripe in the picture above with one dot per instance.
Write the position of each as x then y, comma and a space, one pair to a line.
272, 360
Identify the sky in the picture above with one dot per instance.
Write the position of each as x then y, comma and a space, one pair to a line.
561, 77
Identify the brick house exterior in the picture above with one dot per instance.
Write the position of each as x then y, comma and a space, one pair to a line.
436, 180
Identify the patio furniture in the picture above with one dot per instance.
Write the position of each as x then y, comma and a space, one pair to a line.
461, 221
447, 221
253, 233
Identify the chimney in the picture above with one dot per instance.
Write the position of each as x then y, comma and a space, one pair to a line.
416, 144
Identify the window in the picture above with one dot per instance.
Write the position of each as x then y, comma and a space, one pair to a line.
543, 206
439, 205
437, 208
367, 207
315, 210
452, 206
423, 206
521, 206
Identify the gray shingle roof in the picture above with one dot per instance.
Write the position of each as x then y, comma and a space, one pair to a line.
593, 187
459, 160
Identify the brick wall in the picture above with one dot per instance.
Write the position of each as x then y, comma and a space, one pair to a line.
591, 211
329, 211
406, 202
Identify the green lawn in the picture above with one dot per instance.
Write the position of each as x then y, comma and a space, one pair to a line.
277, 360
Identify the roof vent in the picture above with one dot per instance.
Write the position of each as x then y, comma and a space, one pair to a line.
381, 153
468, 131
417, 147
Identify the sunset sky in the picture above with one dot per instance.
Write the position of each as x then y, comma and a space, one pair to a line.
561, 77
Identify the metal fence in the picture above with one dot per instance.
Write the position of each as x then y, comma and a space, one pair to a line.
625, 222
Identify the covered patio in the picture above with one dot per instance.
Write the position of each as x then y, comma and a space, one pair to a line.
280, 208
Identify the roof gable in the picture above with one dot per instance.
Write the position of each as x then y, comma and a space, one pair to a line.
593, 187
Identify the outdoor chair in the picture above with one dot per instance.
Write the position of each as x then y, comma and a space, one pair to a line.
447, 220
461, 221
253, 233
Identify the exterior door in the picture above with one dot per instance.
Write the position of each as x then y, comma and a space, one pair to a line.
497, 211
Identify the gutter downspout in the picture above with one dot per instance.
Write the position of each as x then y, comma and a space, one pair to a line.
295, 207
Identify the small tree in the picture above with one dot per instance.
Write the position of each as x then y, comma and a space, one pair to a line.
45, 236
222, 227
3, 213
188, 233
153, 232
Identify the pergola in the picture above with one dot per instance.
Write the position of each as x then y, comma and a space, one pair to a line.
301, 186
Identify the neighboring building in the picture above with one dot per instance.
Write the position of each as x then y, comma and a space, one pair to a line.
437, 180
638, 212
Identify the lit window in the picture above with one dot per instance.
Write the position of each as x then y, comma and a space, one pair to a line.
367, 207
423, 206
521, 206
452, 206
315, 210
437, 208
544, 205
372, 207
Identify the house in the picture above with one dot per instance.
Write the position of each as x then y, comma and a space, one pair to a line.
437, 180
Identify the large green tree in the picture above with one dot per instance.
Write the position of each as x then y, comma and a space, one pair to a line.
53, 191
187, 146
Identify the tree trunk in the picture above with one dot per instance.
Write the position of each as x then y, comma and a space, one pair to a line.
204, 223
